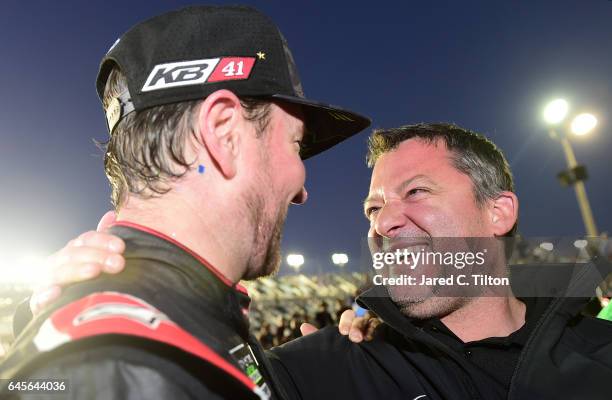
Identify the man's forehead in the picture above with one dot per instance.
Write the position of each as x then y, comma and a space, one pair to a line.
404, 180
413, 160
413, 152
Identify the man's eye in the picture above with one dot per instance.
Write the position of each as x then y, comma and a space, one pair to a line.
370, 211
414, 191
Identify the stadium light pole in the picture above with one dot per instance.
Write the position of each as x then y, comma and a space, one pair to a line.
555, 113
339, 259
295, 261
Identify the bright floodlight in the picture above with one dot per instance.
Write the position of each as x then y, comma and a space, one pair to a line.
295, 260
583, 124
555, 111
580, 244
339, 259
23, 270
547, 246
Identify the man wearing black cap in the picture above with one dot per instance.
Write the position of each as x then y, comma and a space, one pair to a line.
208, 129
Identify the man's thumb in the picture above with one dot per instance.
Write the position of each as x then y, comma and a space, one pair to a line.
307, 329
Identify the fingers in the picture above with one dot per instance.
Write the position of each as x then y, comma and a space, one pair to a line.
96, 248
63, 275
82, 258
307, 329
358, 327
346, 319
372, 325
99, 240
72, 272
74, 264
43, 297
106, 221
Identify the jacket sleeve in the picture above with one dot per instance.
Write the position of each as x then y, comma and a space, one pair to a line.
318, 366
100, 374
22, 316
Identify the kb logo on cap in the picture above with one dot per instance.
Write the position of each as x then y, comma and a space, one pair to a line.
196, 72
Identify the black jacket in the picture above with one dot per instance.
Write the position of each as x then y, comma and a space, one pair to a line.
566, 356
168, 327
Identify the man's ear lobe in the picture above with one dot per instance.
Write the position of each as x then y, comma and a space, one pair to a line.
504, 213
219, 118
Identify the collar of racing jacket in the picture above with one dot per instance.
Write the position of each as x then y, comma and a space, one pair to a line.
202, 276
202, 260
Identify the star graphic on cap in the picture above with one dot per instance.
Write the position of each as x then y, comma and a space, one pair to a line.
261, 55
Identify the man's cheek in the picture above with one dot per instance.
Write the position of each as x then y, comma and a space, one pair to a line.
434, 221
374, 242
373, 236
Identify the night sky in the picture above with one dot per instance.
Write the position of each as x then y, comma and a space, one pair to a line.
488, 66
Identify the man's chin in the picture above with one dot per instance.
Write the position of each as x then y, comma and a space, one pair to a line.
264, 270
432, 307
403, 301
409, 294
417, 308
272, 264
269, 262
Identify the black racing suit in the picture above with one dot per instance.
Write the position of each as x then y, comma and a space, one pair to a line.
168, 327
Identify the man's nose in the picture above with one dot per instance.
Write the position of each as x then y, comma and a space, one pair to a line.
390, 220
301, 197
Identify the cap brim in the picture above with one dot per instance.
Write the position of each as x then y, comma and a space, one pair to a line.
326, 125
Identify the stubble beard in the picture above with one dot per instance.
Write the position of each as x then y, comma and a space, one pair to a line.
437, 302
267, 230
431, 307
272, 259
267, 227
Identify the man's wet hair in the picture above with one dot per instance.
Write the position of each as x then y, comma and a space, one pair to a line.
146, 150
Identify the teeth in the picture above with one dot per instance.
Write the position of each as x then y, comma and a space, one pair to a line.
415, 249
409, 249
390, 248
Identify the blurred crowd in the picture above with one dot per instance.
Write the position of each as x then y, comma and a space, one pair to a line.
273, 333
281, 304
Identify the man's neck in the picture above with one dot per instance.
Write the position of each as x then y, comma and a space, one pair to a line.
197, 230
486, 317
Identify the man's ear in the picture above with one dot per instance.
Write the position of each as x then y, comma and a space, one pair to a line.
219, 118
503, 213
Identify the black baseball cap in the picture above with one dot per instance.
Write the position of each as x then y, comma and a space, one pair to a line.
190, 53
